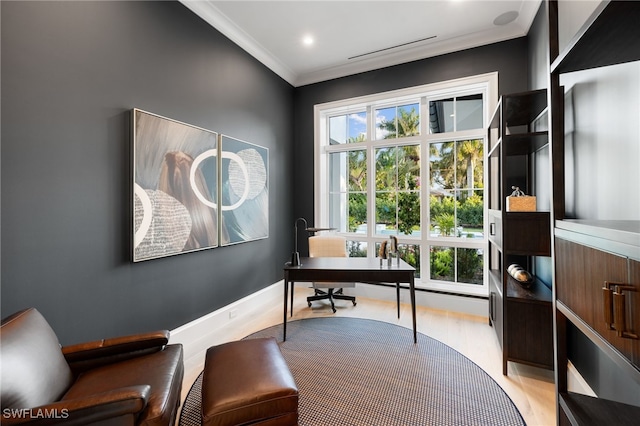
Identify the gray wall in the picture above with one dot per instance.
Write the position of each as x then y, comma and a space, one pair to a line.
71, 72
509, 59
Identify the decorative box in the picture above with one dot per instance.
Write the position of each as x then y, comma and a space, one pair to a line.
522, 203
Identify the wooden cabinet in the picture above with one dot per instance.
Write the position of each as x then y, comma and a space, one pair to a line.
598, 290
588, 279
521, 315
597, 262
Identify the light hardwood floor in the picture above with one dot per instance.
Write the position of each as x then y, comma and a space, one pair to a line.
531, 389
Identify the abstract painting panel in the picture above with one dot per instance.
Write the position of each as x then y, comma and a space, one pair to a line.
175, 188
244, 192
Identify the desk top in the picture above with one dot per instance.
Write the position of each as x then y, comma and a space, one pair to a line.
348, 264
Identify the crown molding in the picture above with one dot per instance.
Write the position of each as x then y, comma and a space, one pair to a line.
206, 10
429, 48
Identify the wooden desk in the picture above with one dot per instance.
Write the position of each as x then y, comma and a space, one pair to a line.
357, 269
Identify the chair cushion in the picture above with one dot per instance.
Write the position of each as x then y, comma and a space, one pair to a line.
327, 246
163, 371
34, 371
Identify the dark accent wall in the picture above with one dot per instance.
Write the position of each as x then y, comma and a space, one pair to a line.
508, 58
71, 73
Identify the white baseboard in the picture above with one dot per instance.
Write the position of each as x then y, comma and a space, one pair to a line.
232, 322
223, 325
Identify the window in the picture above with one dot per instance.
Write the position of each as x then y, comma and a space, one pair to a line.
410, 163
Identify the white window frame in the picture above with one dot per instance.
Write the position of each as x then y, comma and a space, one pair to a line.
487, 84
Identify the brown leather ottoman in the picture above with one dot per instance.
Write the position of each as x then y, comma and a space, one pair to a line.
248, 382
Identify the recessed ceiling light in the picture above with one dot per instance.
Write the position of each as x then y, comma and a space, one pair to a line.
307, 40
506, 18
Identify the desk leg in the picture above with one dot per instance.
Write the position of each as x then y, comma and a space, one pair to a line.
284, 322
398, 297
292, 287
412, 290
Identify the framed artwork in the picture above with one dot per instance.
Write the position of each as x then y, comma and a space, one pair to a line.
244, 191
175, 187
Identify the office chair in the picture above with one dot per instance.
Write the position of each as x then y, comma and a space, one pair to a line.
329, 246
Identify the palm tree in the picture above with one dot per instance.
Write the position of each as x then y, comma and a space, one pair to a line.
407, 123
470, 152
398, 169
460, 167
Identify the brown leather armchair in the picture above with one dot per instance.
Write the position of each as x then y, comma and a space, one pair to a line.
133, 380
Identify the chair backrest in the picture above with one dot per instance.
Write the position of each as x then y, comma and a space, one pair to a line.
33, 370
327, 246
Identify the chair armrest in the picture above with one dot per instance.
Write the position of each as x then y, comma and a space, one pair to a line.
83, 356
128, 401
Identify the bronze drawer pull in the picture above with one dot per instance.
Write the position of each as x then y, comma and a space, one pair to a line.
615, 308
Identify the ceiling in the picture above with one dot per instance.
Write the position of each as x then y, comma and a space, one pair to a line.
350, 37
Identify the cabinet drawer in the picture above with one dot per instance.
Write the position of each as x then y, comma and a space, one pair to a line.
581, 272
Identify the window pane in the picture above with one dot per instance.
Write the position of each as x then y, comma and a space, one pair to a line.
338, 172
386, 178
441, 263
470, 213
469, 158
347, 190
408, 120
386, 123
442, 158
358, 170
356, 249
456, 195
386, 207
409, 213
357, 127
408, 167
469, 112
398, 122
357, 210
469, 265
469, 177
441, 116
338, 130
398, 190
410, 253
348, 128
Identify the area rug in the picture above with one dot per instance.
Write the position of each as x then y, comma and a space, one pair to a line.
353, 371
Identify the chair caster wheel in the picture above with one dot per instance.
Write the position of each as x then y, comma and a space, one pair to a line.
354, 303
334, 311
309, 304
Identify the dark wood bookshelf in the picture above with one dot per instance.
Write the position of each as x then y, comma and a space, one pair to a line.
521, 316
589, 254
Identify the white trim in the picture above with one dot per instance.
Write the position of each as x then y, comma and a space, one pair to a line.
207, 10
214, 17
487, 84
223, 325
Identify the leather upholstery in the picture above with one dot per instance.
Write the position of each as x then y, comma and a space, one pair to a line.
34, 371
132, 380
248, 382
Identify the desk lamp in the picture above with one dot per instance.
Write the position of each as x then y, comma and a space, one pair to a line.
295, 257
